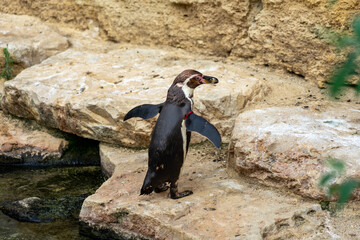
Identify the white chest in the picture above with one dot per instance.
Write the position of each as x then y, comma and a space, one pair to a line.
183, 134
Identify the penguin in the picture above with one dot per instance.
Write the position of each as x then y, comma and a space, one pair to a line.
172, 132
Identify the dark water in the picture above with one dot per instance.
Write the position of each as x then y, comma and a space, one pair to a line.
17, 183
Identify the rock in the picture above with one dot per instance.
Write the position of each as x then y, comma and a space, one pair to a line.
27, 143
288, 146
220, 208
310, 224
110, 158
88, 93
2, 81
293, 35
29, 40
34, 209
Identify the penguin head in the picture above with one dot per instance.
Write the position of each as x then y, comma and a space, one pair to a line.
193, 78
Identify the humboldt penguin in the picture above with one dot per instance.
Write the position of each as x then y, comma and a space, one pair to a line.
171, 136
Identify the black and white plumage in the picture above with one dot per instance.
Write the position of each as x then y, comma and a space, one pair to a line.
171, 135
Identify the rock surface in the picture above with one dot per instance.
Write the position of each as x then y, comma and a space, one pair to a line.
2, 81
220, 208
26, 142
281, 33
89, 92
290, 145
34, 209
29, 40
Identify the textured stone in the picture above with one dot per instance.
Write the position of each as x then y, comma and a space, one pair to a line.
281, 33
310, 224
26, 142
2, 81
220, 208
88, 93
289, 146
29, 40
34, 209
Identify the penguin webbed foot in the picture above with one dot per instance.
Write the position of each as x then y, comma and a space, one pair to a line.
174, 194
162, 188
181, 194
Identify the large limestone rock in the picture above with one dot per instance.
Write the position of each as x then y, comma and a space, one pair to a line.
29, 40
288, 146
21, 142
27, 143
89, 92
281, 33
220, 208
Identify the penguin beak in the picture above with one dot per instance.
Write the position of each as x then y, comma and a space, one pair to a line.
209, 79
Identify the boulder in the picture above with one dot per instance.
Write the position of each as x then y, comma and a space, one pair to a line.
29, 40
293, 35
34, 209
220, 208
88, 92
288, 146
27, 143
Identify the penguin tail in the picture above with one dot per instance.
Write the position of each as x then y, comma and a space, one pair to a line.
147, 188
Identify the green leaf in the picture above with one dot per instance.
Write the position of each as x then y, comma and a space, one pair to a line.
356, 26
341, 74
345, 191
334, 189
337, 165
326, 178
346, 41
7, 73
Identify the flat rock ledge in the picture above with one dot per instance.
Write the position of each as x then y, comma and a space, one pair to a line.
88, 92
290, 145
220, 208
29, 40
24, 142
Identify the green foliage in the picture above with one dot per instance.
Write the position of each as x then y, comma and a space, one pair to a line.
344, 188
349, 44
7, 73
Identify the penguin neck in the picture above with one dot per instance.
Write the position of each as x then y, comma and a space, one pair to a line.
188, 92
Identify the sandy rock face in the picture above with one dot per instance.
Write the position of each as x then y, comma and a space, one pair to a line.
220, 208
24, 142
88, 93
29, 40
282, 33
290, 145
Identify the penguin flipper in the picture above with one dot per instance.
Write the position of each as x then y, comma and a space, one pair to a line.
144, 111
198, 124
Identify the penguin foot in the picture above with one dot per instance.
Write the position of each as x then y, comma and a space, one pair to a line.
162, 188
174, 194
177, 195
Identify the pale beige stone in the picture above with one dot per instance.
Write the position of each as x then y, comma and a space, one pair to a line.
29, 40
281, 33
89, 92
25, 142
288, 146
220, 208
